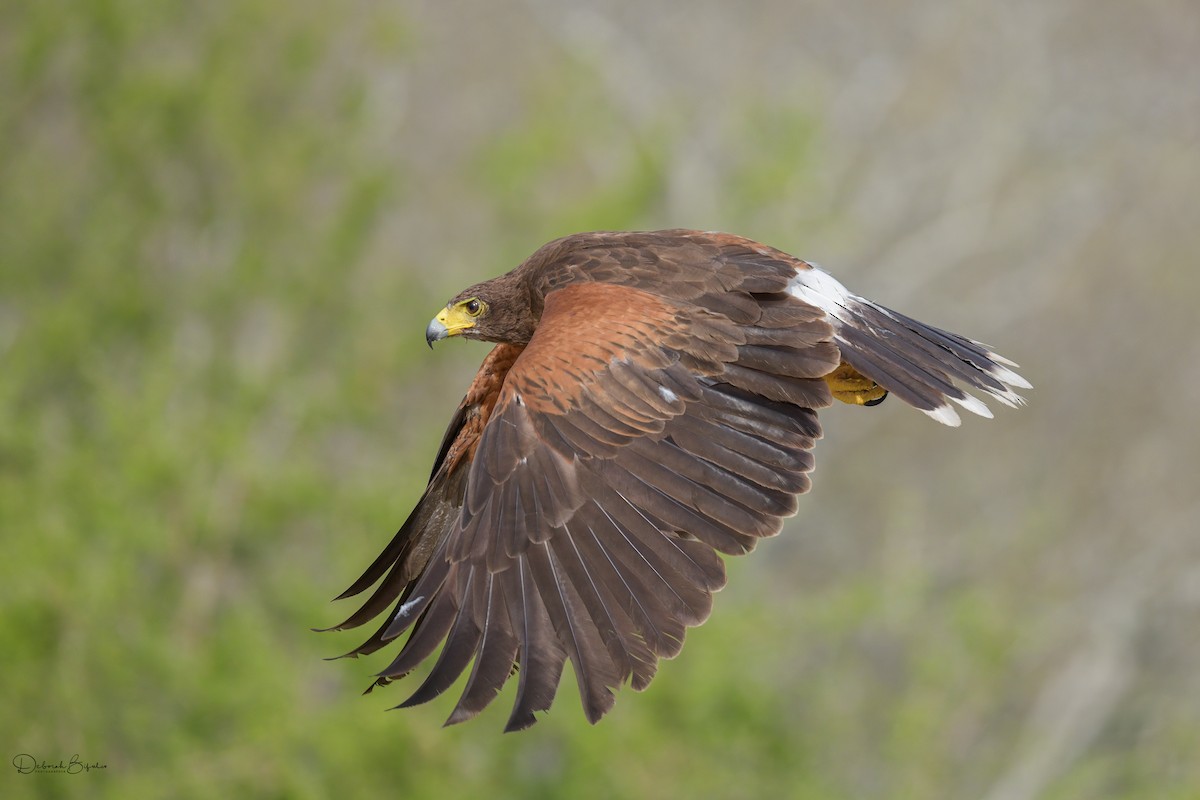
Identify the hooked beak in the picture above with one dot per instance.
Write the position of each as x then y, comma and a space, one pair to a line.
435, 332
448, 322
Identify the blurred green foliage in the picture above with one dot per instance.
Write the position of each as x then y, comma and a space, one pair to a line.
215, 406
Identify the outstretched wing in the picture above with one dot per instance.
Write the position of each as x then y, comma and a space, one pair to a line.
742, 280
924, 366
436, 513
629, 443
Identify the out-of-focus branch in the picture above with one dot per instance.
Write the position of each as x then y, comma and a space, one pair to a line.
1076, 702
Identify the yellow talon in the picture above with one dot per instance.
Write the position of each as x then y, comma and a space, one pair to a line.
851, 386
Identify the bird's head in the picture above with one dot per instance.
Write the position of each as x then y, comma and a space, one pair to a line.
493, 311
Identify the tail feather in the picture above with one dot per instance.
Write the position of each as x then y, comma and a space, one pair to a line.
924, 366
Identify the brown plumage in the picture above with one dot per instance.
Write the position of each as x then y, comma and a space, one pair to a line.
651, 403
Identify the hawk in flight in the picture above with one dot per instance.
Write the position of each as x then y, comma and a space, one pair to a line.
651, 403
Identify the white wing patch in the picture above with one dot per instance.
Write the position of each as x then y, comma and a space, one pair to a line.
818, 288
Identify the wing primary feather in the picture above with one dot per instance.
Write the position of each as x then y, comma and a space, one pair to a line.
724, 482
637, 492
494, 658
431, 630
429, 585
646, 639
750, 457
641, 602
624, 519
695, 562
460, 646
627, 649
409, 549
594, 671
396, 623
697, 498
540, 653
392, 586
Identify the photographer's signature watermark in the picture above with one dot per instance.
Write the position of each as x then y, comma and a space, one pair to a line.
28, 765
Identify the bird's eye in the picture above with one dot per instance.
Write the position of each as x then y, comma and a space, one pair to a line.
473, 307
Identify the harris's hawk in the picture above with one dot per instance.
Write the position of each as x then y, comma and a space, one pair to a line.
650, 404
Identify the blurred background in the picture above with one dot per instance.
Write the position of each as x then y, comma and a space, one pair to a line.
224, 226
